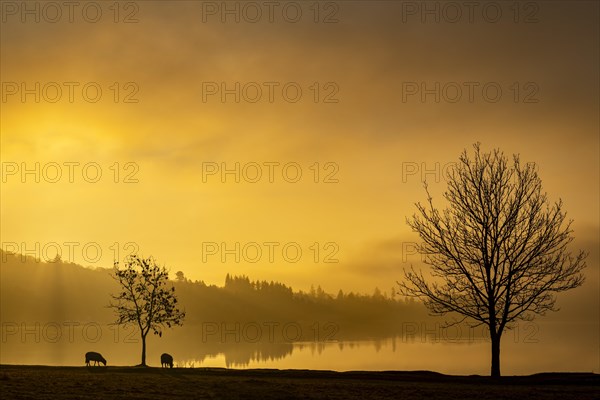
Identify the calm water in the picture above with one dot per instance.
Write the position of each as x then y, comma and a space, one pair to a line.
528, 350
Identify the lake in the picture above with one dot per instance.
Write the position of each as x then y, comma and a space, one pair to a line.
528, 349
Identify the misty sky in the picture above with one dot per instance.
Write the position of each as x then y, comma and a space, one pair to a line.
368, 129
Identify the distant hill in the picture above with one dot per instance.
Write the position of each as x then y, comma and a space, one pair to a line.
32, 290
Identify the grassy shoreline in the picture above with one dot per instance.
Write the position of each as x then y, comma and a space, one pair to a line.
49, 382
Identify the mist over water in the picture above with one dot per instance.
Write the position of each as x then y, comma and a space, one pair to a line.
528, 349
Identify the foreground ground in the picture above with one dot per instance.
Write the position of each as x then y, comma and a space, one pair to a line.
42, 382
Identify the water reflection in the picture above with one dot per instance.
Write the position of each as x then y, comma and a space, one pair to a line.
524, 351
380, 354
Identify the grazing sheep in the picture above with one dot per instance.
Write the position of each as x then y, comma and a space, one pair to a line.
166, 359
95, 357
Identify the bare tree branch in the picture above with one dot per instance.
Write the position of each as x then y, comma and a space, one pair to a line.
499, 249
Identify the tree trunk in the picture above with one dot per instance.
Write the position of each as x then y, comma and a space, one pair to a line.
495, 354
143, 364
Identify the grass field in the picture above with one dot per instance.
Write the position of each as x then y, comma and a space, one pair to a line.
43, 382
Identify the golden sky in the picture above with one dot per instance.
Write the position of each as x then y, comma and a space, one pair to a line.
368, 136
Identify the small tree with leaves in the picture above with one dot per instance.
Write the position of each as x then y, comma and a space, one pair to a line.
144, 299
498, 252
180, 276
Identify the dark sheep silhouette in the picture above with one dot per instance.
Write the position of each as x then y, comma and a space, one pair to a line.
95, 357
166, 360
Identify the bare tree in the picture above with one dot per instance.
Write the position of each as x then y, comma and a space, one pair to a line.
498, 252
144, 300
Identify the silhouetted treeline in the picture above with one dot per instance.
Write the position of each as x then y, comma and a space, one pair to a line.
245, 301
61, 291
